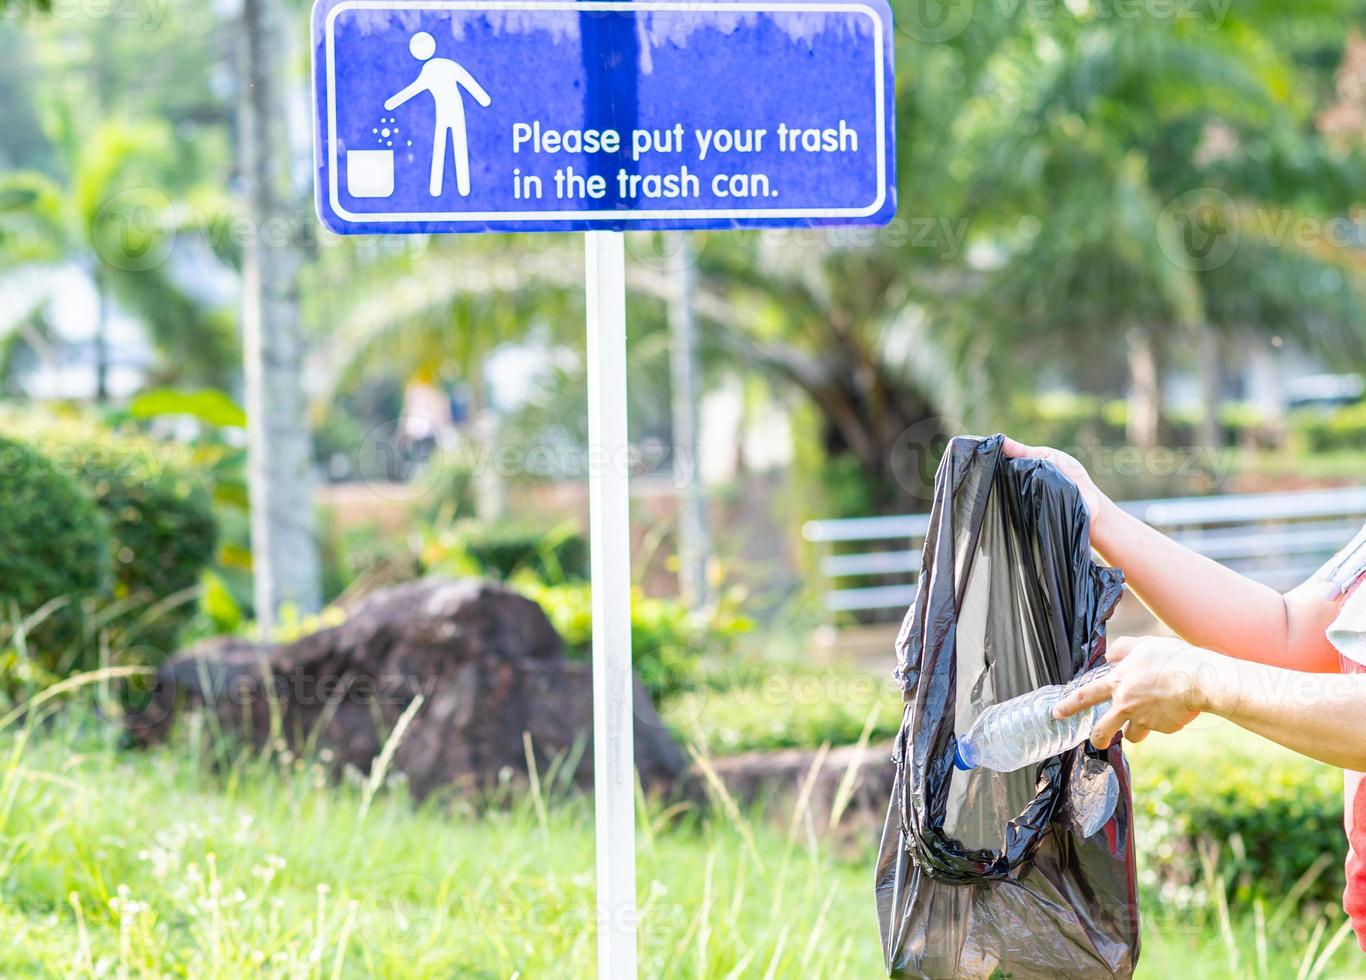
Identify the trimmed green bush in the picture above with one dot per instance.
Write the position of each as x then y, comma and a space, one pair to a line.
1321, 432
1266, 813
54, 544
668, 643
1069, 421
552, 554
158, 510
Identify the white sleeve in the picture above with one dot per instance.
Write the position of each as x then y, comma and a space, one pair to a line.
1347, 632
1343, 569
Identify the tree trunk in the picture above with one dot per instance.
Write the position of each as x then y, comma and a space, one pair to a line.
101, 337
694, 542
1145, 394
1211, 432
283, 542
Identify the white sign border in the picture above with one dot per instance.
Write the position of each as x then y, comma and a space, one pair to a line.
690, 6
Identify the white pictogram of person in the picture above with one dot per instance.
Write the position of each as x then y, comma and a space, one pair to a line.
444, 78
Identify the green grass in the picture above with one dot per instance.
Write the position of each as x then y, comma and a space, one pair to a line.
144, 862
118, 863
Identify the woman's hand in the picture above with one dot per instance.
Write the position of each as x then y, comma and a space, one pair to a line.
1097, 504
1154, 686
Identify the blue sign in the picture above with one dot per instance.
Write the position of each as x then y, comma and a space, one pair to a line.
545, 115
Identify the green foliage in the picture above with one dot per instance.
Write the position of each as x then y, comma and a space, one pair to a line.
1316, 431
156, 506
55, 548
668, 642
502, 550
1067, 421
1071, 421
109, 212
1271, 816
1265, 816
207, 405
449, 478
216, 454
848, 488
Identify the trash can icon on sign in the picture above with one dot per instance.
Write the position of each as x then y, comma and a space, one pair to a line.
370, 173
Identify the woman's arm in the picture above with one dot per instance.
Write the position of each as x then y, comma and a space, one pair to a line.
1161, 684
1213, 607
1200, 600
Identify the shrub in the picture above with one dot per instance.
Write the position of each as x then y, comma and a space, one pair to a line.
551, 554
1067, 421
1269, 815
158, 510
55, 547
668, 641
449, 478
1318, 431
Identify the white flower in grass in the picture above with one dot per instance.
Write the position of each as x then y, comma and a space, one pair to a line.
124, 905
269, 868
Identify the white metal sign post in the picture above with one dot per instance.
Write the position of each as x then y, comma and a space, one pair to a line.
610, 540
459, 116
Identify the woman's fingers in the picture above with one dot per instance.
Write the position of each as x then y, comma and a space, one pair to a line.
1019, 450
1100, 689
1104, 731
1015, 448
1135, 732
1119, 648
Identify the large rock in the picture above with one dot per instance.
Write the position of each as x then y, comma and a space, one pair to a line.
486, 661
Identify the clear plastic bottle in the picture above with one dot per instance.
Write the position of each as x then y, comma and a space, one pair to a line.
1023, 731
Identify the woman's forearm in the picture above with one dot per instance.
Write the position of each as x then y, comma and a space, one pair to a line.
1322, 716
1211, 606
1215, 607
1204, 603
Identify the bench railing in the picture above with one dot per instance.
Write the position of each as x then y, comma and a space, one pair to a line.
870, 563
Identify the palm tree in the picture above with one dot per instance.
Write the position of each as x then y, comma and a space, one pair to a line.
1095, 173
418, 312
105, 213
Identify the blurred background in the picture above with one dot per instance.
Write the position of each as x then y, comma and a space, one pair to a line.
1131, 229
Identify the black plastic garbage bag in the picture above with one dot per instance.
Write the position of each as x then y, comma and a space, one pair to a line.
1024, 874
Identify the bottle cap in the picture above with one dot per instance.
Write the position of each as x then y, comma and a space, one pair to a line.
962, 756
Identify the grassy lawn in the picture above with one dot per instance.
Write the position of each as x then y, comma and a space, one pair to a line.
115, 861
146, 864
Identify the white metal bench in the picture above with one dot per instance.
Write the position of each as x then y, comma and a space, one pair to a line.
1276, 538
